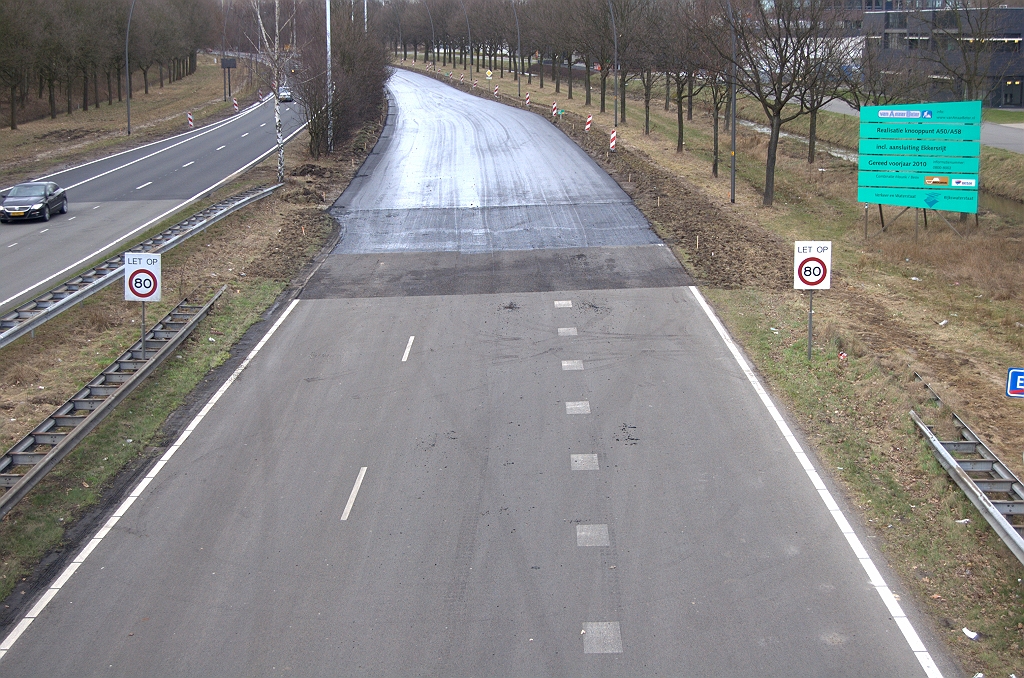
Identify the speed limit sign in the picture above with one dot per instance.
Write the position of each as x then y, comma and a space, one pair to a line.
141, 277
812, 265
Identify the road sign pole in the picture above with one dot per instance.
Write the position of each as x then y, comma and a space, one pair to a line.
810, 322
143, 330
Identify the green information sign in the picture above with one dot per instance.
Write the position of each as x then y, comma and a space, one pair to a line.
921, 155
958, 111
878, 163
920, 148
951, 201
962, 182
919, 130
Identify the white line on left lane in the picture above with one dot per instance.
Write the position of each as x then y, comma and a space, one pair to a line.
355, 491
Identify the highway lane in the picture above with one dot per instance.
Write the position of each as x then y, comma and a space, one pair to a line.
567, 472
116, 196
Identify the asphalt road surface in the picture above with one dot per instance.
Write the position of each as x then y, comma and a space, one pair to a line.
116, 197
497, 435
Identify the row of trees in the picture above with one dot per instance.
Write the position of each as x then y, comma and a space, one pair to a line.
71, 52
792, 56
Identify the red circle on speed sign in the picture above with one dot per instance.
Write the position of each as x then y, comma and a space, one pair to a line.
812, 271
142, 283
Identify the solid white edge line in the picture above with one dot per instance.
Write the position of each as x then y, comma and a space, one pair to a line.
109, 246
408, 347
65, 575
355, 491
874, 576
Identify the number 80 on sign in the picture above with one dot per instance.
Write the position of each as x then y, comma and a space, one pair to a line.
141, 277
812, 265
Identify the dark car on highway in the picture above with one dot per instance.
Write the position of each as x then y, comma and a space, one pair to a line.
33, 200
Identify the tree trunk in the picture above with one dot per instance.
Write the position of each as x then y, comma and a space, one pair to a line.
529, 69
773, 152
542, 70
53, 98
119, 83
569, 76
668, 90
110, 91
95, 89
648, 92
145, 80
714, 150
689, 97
586, 85
556, 72
679, 117
68, 92
85, 90
812, 137
14, 112
162, 74
604, 86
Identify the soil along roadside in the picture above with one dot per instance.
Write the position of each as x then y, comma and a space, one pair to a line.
257, 251
890, 295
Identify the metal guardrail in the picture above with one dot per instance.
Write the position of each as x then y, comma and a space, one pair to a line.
58, 434
32, 314
993, 489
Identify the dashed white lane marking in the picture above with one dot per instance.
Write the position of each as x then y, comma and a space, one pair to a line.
567, 331
190, 162
601, 638
220, 147
584, 462
46, 229
263, 125
563, 304
72, 218
572, 365
355, 491
37, 609
408, 347
874, 576
97, 207
578, 407
143, 185
245, 135
592, 535
11, 245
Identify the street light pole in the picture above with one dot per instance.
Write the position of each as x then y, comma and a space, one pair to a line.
732, 108
519, 50
433, 40
615, 65
330, 85
127, 69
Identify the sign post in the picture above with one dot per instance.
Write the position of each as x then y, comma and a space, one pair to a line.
812, 270
142, 283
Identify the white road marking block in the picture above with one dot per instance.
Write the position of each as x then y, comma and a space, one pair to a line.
873, 575
563, 304
568, 365
577, 407
584, 462
355, 491
602, 638
408, 347
592, 535
567, 331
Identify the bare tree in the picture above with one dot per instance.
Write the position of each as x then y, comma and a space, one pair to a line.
276, 58
965, 48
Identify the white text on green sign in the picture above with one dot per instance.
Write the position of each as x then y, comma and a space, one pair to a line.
957, 111
923, 131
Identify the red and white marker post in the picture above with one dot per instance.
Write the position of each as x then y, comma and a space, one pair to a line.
474, 84
590, 119
611, 142
462, 78
495, 90
191, 123
554, 108
527, 99
234, 104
